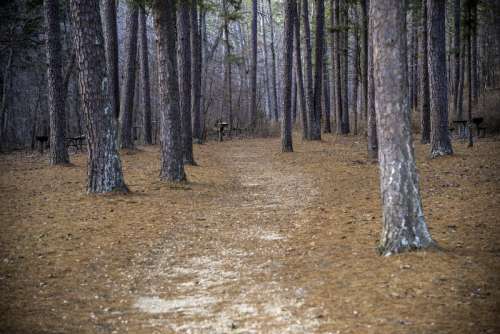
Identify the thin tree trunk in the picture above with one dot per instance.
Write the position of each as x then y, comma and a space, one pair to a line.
58, 154
274, 87
266, 66
228, 72
470, 66
294, 89
371, 121
345, 66
308, 65
104, 168
127, 102
171, 164
404, 226
336, 52
300, 77
184, 58
253, 69
111, 47
475, 56
355, 78
425, 109
286, 120
196, 70
315, 124
144, 70
326, 91
364, 62
440, 136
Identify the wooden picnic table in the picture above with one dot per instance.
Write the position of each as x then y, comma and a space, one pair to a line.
76, 142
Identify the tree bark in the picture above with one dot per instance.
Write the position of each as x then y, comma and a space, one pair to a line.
273, 64
364, 62
144, 70
228, 100
286, 120
196, 70
184, 58
111, 47
345, 126
425, 111
315, 114
308, 65
457, 16
253, 69
440, 136
404, 226
266, 66
172, 165
371, 120
104, 168
58, 154
355, 79
300, 77
327, 126
127, 101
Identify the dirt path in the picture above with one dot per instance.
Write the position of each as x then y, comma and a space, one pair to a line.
223, 275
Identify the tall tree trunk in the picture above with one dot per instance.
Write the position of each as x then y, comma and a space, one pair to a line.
440, 136
266, 66
228, 72
336, 57
58, 154
315, 124
355, 78
364, 62
171, 165
253, 69
144, 70
286, 120
425, 109
273, 64
404, 226
104, 168
294, 89
345, 126
456, 58
308, 65
300, 77
196, 70
327, 127
184, 58
127, 102
371, 121
475, 55
470, 67
111, 47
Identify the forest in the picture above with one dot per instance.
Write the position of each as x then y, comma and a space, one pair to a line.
249, 166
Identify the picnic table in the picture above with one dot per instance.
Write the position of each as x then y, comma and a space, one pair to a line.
462, 128
76, 142
219, 127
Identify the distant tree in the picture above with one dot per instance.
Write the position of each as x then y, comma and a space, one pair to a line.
104, 168
196, 69
371, 121
457, 18
127, 98
315, 118
58, 154
286, 121
404, 227
425, 111
308, 65
344, 21
253, 69
172, 165
144, 73
440, 136
299, 73
274, 87
327, 126
184, 58
108, 8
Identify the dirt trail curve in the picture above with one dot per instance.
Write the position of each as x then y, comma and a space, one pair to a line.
223, 274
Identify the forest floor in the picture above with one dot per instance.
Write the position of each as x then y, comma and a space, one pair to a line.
256, 242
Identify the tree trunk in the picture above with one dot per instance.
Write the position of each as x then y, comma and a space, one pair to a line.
104, 168
184, 58
111, 46
404, 227
470, 67
294, 89
327, 128
253, 69
196, 70
228, 72
345, 126
172, 166
475, 56
425, 111
364, 62
286, 120
273, 64
336, 58
355, 79
308, 65
58, 154
300, 77
144, 70
127, 102
440, 136
266, 66
371, 121
315, 123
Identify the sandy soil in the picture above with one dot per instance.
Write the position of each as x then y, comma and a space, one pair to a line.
256, 242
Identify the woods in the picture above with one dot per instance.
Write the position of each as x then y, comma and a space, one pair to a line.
250, 158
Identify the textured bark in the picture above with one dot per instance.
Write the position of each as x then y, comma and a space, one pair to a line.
345, 126
58, 154
364, 53
327, 126
308, 65
104, 168
111, 47
172, 165
336, 59
184, 59
425, 109
294, 90
300, 77
440, 136
474, 51
228, 94
355, 80
315, 114
144, 72
274, 88
470, 68
196, 70
457, 17
127, 101
253, 69
404, 226
286, 120
371, 121
266, 67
